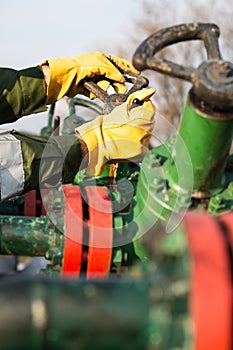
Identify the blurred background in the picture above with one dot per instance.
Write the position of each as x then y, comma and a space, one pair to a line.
35, 30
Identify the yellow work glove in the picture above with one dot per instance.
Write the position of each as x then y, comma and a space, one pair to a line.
123, 134
67, 73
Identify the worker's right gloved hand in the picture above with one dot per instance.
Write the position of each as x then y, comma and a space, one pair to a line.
123, 134
67, 74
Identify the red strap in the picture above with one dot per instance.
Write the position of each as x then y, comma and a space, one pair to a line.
30, 203
100, 232
72, 258
227, 218
44, 194
211, 289
33, 204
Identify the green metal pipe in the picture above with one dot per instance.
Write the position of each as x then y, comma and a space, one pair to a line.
208, 139
147, 309
69, 314
26, 236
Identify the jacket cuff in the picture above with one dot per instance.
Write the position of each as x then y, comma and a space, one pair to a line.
33, 90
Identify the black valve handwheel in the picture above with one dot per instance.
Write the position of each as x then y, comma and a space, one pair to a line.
143, 57
212, 80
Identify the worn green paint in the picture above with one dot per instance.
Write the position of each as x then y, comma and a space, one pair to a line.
208, 140
156, 201
194, 164
27, 236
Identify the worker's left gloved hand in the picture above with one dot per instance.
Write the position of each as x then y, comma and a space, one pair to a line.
67, 74
123, 134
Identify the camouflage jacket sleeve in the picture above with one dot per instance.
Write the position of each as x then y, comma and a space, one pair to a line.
22, 92
38, 162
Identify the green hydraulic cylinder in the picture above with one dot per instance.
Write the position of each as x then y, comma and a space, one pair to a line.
197, 160
208, 139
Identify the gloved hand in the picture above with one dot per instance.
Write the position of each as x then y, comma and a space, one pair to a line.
67, 73
122, 134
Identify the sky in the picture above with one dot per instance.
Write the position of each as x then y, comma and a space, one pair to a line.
33, 30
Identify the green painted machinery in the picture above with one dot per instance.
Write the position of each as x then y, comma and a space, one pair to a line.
117, 247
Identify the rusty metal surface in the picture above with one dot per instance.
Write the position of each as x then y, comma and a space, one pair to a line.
113, 100
27, 236
143, 57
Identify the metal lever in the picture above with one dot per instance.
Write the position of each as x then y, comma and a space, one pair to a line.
113, 100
